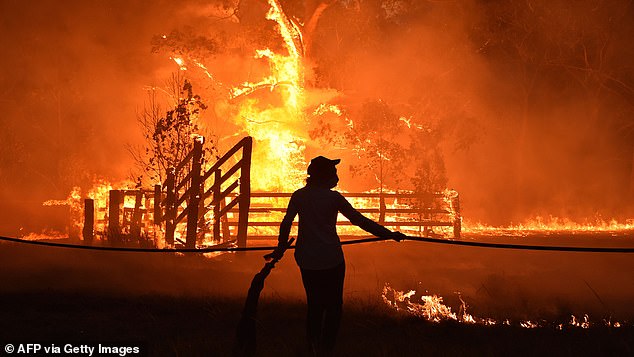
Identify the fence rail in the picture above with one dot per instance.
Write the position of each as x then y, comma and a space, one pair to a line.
433, 210
200, 191
191, 192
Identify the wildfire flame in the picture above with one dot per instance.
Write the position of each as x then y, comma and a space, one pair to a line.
280, 133
278, 130
431, 308
180, 62
550, 225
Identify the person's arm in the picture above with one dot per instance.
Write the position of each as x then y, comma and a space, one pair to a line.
287, 221
368, 225
285, 230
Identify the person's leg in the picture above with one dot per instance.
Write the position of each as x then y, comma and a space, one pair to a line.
324, 297
313, 285
333, 308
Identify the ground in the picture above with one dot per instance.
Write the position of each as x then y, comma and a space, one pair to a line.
190, 305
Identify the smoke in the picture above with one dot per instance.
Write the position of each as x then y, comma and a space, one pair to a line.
73, 77
524, 124
522, 98
556, 124
529, 104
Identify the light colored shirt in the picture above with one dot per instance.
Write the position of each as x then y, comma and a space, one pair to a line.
318, 245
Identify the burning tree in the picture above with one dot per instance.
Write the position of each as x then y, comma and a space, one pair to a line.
394, 150
249, 108
374, 139
373, 136
169, 137
288, 45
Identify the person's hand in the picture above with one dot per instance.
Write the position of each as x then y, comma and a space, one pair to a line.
276, 254
279, 251
398, 236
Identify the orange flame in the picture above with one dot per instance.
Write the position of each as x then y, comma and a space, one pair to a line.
552, 224
431, 308
278, 130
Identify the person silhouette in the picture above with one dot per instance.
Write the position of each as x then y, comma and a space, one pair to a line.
318, 251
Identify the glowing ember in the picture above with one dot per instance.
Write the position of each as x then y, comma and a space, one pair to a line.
529, 324
583, 324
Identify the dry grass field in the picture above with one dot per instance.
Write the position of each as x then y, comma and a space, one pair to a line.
186, 305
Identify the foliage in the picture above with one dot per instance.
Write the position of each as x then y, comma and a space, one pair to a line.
375, 139
393, 149
430, 174
186, 41
387, 150
169, 137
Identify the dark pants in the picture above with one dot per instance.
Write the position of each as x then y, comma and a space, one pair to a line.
324, 296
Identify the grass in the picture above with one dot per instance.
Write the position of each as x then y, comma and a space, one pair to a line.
187, 305
205, 326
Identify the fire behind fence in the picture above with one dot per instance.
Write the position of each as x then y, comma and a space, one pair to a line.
199, 206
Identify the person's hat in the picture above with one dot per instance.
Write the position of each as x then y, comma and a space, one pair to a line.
322, 166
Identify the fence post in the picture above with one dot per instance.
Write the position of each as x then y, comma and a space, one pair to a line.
135, 224
170, 207
194, 194
114, 228
226, 234
245, 192
457, 221
158, 217
216, 203
89, 221
381, 209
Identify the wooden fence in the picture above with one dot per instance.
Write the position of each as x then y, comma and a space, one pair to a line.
423, 213
200, 191
210, 201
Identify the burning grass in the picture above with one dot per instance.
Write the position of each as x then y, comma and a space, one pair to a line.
190, 305
433, 309
553, 225
205, 326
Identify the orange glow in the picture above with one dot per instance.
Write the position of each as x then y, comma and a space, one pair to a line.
431, 308
550, 225
278, 157
46, 235
180, 62
279, 128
